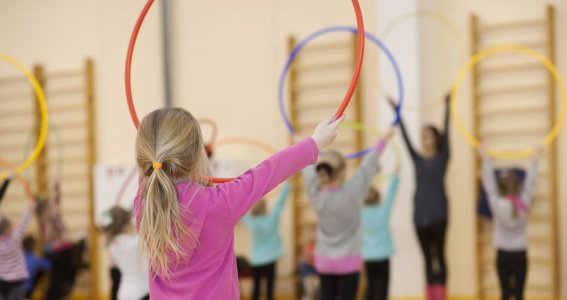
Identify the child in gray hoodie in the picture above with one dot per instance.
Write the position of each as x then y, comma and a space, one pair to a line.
509, 202
338, 247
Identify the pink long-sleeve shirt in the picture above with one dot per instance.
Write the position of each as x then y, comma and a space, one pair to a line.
210, 271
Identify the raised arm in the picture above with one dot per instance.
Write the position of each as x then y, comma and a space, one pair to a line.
18, 233
4, 187
243, 192
362, 178
445, 146
280, 203
489, 179
529, 187
392, 191
414, 155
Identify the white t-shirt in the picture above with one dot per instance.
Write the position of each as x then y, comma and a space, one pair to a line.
125, 253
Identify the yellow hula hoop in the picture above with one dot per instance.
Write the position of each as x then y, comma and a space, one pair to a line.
551, 136
392, 25
42, 109
374, 131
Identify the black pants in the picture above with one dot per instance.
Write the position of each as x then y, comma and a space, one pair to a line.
377, 279
12, 290
260, 273
341, 287
512, 271
432, 242
115, 277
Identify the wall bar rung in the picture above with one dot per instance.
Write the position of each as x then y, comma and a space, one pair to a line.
511, 25
513, 90
514, 132
311, 67
326, 47
512, 111
511, 68
64, 74
321, 86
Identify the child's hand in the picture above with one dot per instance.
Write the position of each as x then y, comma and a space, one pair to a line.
390, 132
327, 131
539, 150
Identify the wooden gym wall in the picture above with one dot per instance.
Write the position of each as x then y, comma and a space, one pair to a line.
513, 108
69, 153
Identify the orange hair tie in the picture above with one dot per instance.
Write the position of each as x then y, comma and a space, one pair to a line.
157, 165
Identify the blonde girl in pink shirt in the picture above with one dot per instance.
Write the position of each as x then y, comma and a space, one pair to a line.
186, 228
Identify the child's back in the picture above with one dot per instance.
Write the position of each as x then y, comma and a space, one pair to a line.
377, 243
11, 253
339, 234
210, 268
266, 240
187, 229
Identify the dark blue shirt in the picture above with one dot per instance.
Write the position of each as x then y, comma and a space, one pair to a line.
35, 264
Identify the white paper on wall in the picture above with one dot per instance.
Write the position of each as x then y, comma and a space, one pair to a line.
109, 179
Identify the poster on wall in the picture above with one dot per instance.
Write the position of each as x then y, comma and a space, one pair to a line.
115, 184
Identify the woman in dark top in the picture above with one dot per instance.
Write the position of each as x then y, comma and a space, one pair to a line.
430, 201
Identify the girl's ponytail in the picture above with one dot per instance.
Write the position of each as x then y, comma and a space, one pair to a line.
169, 149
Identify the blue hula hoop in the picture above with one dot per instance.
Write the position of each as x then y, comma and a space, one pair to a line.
307, 40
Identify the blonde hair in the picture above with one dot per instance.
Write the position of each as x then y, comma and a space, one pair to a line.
170, 137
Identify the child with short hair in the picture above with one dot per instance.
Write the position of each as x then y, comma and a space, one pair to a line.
13, 272
266, 243
338, 257
377, 243
186, 228
124, 252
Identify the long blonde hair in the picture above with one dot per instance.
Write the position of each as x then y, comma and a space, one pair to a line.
170, 137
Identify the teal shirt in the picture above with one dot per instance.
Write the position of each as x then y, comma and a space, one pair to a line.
266, 240
377, 241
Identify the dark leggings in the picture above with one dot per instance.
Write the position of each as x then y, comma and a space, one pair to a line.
432, 242
115, 276
341, 287
267, 272
12, 290
512, 271
377, 279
